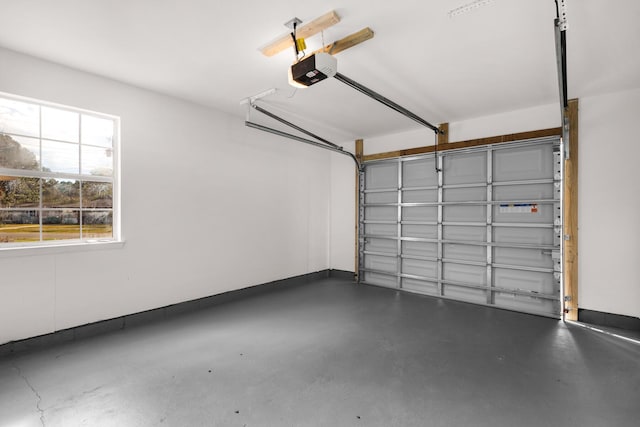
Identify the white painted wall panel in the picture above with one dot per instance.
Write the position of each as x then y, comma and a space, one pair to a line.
342, 245
609, 203
27, 293
208, 206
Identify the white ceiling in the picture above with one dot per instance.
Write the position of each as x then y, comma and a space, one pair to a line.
492, 59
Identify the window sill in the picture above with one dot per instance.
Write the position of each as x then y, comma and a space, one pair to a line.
59, 248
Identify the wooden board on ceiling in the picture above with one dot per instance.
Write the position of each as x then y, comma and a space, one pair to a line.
309, 29
347, 42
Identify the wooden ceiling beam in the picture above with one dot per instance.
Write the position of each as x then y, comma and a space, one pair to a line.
321, 23
347, 42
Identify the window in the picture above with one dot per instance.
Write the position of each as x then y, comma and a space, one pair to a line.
58, 174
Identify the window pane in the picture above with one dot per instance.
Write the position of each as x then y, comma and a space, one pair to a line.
54, 148
60, 157
17, 152
97, 131
97, 224
60, 225
97, 161
59, 124
19, 226
19, 117
60, 193
18, 192
97, 194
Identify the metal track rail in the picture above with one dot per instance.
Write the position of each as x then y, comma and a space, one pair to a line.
300, 139
291, 125
383, 100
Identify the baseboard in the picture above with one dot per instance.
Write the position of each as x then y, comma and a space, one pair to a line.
342, 274
157, 314
609, 319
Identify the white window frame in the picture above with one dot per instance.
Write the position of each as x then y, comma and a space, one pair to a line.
114, 179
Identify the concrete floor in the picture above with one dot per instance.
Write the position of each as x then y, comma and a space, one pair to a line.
330, 353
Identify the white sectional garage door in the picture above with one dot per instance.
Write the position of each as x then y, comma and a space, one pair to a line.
485, 228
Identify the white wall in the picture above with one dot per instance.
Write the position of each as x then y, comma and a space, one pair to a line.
609, 203
343, 222
609, 198
207, 206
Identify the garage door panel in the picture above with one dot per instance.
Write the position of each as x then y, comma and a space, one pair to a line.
465, 233
382, 197
380, 279
420, 231
419, 213
461, 293
381, 213
421, 268
523, 163
527, 304
465, 168
532, 213
420, 249
419, 173
465, 194
486, 232
420, 286
381, 230
465, 213
465, 252
381, 245
532, 236
381, 263
538, 258
523, 192
471, 274
420, 196
381, 176
527, 281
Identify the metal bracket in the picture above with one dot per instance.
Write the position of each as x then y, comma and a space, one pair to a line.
251, 99
562, 15
567, 298
293, 21
565, 135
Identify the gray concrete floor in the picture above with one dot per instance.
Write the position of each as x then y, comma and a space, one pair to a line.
330, 353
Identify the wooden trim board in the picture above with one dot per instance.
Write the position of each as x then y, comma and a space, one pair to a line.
570, 220
346, 42
466, 144
443, 135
